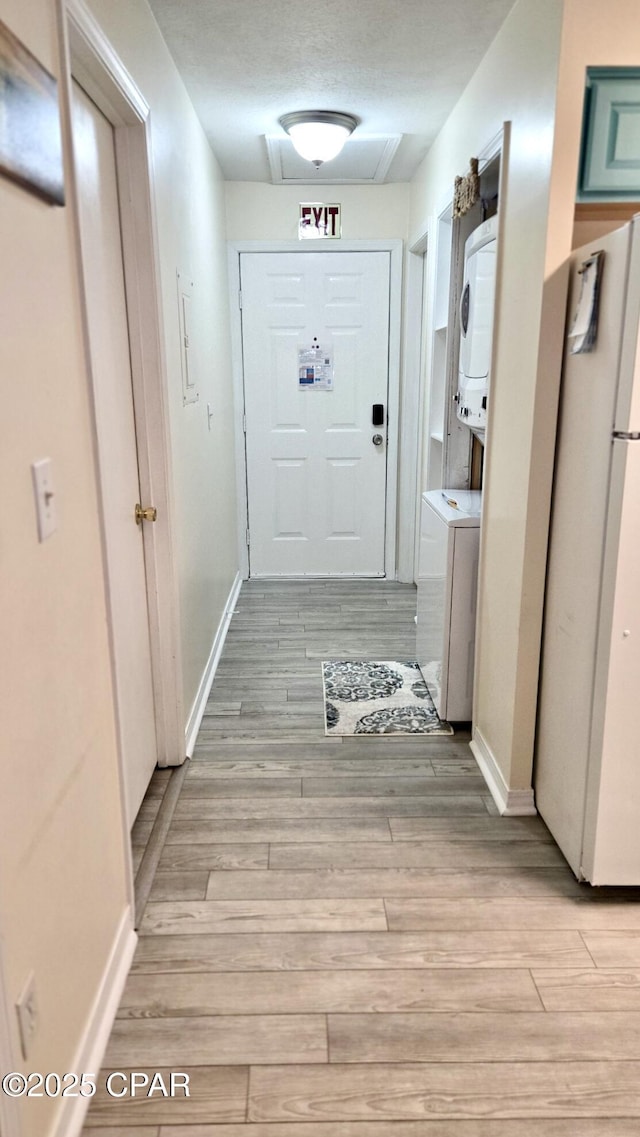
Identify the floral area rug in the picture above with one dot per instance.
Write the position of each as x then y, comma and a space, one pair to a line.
378, 698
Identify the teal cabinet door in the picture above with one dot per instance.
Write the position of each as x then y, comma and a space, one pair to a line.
610, 168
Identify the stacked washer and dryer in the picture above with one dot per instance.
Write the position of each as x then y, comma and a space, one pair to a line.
450, 518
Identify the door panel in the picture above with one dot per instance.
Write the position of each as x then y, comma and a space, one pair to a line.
316, 483
94, 152
290, 496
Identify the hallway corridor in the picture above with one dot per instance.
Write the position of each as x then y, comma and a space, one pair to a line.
343, 939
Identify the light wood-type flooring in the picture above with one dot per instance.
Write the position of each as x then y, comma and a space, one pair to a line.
343, 939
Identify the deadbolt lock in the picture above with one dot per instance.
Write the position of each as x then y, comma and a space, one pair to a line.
148, 514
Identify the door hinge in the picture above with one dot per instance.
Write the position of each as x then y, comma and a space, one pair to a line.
248, 538
244, 424
239, 298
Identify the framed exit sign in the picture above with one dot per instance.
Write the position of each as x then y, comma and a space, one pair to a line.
319, 221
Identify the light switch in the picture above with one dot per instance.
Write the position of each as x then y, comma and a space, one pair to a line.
45, 498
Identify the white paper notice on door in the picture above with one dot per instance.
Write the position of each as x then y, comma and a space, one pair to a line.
583, 332
315, 369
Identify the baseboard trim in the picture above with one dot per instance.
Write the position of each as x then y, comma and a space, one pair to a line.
510, 803
90, 1053
200, 701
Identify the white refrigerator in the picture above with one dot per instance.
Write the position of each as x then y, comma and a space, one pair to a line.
587, 772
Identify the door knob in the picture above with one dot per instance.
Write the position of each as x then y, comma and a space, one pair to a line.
148, 514
377, 440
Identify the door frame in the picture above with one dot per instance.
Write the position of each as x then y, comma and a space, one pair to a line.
89, 58
417, 295
394, 248
9, 1116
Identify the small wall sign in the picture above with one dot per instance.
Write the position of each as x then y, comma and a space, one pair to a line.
315, 368
319, 221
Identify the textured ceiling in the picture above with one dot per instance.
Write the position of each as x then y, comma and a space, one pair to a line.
399, 66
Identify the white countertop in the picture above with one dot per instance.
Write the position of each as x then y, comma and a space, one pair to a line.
456, 507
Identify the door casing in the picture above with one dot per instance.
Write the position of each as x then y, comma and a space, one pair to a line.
394, 248
417, 267
9, 1115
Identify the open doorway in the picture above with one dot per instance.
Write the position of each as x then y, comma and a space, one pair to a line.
456, 432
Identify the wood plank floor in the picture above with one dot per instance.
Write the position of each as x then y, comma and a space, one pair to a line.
343, 939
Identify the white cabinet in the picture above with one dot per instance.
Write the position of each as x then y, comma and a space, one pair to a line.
447, 588
610, 165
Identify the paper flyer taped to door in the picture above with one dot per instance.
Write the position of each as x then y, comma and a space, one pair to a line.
315, 369
583, 333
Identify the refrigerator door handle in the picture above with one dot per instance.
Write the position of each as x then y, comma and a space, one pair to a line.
627, 435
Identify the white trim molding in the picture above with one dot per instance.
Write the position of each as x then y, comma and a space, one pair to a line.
418, 260
510, 803
110, 83
395, 249
208, 675
90, 1052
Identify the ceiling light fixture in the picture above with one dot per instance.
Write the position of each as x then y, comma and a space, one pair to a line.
318, 136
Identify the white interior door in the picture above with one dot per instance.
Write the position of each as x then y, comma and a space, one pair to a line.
101, 239
316, 464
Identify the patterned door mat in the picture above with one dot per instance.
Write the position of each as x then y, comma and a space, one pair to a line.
384, 697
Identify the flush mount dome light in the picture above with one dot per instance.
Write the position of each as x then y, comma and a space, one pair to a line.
318, 136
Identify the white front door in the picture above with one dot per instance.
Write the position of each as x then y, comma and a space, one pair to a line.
316, 463
94, 151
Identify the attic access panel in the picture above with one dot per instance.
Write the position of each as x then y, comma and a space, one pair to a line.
363, 161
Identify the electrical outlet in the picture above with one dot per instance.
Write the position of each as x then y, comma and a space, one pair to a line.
27, 1012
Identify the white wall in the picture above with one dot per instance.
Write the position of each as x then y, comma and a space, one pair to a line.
62, 872
517, 82
189, 195
260, 212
